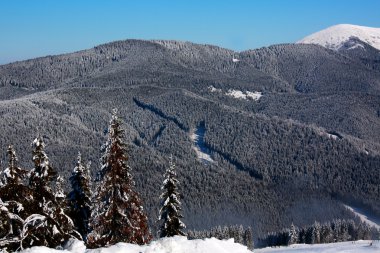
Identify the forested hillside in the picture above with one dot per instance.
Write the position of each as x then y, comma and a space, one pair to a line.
310, 142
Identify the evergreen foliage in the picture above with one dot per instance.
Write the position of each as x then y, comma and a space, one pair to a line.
118, 215
46, 223
334, 231
238, 233
79, 199
14, 194
170, 212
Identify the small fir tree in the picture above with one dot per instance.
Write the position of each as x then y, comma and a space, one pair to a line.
170, 212
118, 215
79, 198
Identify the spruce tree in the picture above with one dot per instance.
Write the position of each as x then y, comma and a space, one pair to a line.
14, 194
47, 223
118, 215
293, 235
80, 198
248, 238
170, 212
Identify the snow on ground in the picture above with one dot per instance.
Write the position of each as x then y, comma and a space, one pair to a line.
177, 244
213, 89
340, 247
202, 152
372, 221
244, 95
335, 36
255, 95
180, 244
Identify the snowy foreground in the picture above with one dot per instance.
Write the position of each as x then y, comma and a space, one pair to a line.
180, 244
340, 247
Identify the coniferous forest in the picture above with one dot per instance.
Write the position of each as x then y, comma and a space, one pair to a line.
35, 210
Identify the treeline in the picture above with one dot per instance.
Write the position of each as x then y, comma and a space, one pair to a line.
334, 231
238, 233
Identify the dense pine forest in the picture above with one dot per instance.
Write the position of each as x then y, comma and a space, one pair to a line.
36, 211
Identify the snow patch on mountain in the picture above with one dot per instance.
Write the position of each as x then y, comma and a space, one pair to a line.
253, 95
244, 95
335, 36
213, 89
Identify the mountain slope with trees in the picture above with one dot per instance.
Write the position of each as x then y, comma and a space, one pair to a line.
310, 142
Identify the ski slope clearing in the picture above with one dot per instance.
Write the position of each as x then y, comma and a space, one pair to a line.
372, 221
335, 36
177, 244
203, 153
340, 247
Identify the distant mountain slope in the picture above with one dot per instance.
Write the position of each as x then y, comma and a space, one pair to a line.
310, 139
334, 37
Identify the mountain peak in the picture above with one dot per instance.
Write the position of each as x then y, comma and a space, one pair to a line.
336, 36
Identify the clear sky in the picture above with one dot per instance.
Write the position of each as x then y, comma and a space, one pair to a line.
32, 28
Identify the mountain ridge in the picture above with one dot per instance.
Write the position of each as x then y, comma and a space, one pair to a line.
317, 105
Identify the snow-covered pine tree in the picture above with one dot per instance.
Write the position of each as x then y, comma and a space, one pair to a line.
14, 194
59, 193
248, 238
47, 224
12, 175
170, 212
293, 235
79, 199
118, 215
10, 226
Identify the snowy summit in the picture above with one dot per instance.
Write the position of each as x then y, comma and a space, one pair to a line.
334, 37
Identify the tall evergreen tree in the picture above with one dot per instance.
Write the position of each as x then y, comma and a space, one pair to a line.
118, 215
170, 212
14, 194
80, 198
47, 223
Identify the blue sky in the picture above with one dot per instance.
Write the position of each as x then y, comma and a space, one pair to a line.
32, 28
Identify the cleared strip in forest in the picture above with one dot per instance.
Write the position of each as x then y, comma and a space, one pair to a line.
206, 150
160, 113
157, 135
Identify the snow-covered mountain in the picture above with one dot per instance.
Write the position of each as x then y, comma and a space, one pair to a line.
336, 36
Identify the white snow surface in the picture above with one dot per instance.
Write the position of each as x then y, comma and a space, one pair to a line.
177, 244
213, 89
373, 222
180, 244
335, 36
244, 95
340, 247
201, 154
